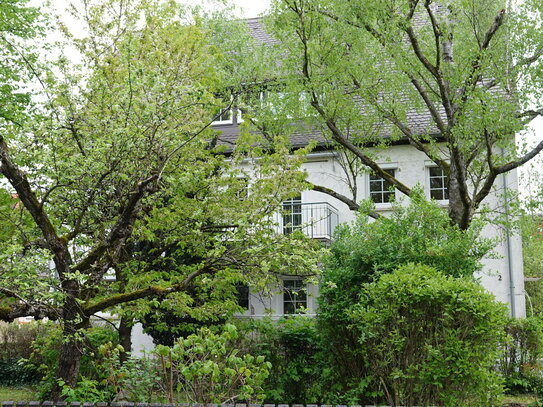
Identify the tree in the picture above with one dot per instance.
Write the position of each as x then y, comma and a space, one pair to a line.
532, 244
470, 71
117, 149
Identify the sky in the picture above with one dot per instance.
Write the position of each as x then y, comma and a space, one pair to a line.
252, 8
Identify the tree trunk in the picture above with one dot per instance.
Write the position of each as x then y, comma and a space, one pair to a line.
71, 349
460, 211
125, 337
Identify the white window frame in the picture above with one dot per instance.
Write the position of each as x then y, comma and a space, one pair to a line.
230, 121
293, 300
430, 165
292, 203
387, 167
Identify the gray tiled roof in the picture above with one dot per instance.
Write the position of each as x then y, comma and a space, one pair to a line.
259, 32
420, 122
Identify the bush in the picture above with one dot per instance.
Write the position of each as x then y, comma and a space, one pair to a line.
135, 380
46, 347
520, 363
293, 347
429, 339
13, 372
16, 339
420, 233
15, 345
207, 368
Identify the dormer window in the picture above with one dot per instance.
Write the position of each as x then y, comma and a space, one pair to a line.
223, 116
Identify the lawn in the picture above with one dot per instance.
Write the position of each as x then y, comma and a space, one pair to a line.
522, 399
17, 394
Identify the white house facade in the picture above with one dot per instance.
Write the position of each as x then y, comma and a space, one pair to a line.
317, 214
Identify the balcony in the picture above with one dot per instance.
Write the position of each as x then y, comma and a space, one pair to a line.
316, 220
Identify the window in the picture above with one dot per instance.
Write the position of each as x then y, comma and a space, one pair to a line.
294, 296
438, 184
223, 116
242, 191
243, 295
292, 215
381, 190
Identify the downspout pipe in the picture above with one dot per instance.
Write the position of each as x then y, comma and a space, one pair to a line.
512, 299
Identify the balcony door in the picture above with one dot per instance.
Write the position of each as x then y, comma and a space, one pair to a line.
292, 214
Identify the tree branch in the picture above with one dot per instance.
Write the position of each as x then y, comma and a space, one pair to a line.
122, 227
19, 182
150, 291
474, 75
353, 206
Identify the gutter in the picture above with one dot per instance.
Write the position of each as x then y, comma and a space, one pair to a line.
512, 300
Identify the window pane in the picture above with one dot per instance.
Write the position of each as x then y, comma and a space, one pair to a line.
388, 196
436, 183
243, 295
381, 191
436, 172
292, 214
294, 296
436, 194
289, 308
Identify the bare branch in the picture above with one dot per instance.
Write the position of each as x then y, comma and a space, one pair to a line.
353, 206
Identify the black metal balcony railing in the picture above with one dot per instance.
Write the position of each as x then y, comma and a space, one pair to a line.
316, 220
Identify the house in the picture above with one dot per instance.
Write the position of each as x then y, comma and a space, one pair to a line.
317, 213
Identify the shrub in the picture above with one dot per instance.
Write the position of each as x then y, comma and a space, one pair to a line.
420, 233
206, 368
16, 339
429, 339
135, 380
520, 363
293, 347
46, 347
15, 373
15, 343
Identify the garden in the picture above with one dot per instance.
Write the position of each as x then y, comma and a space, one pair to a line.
124, 201
400, 321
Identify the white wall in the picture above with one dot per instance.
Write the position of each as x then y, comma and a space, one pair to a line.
412, 168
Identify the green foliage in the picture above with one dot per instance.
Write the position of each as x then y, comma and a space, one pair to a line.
532, 253
520, 362
419, 233
46, 348
293, 347
19, 25
123, 173
13, 372
205, 368
375, 72
15, 345
16, 338
429, 339
86, 390
136, 379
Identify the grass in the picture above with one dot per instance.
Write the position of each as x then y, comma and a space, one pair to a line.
17, 394
522, 399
